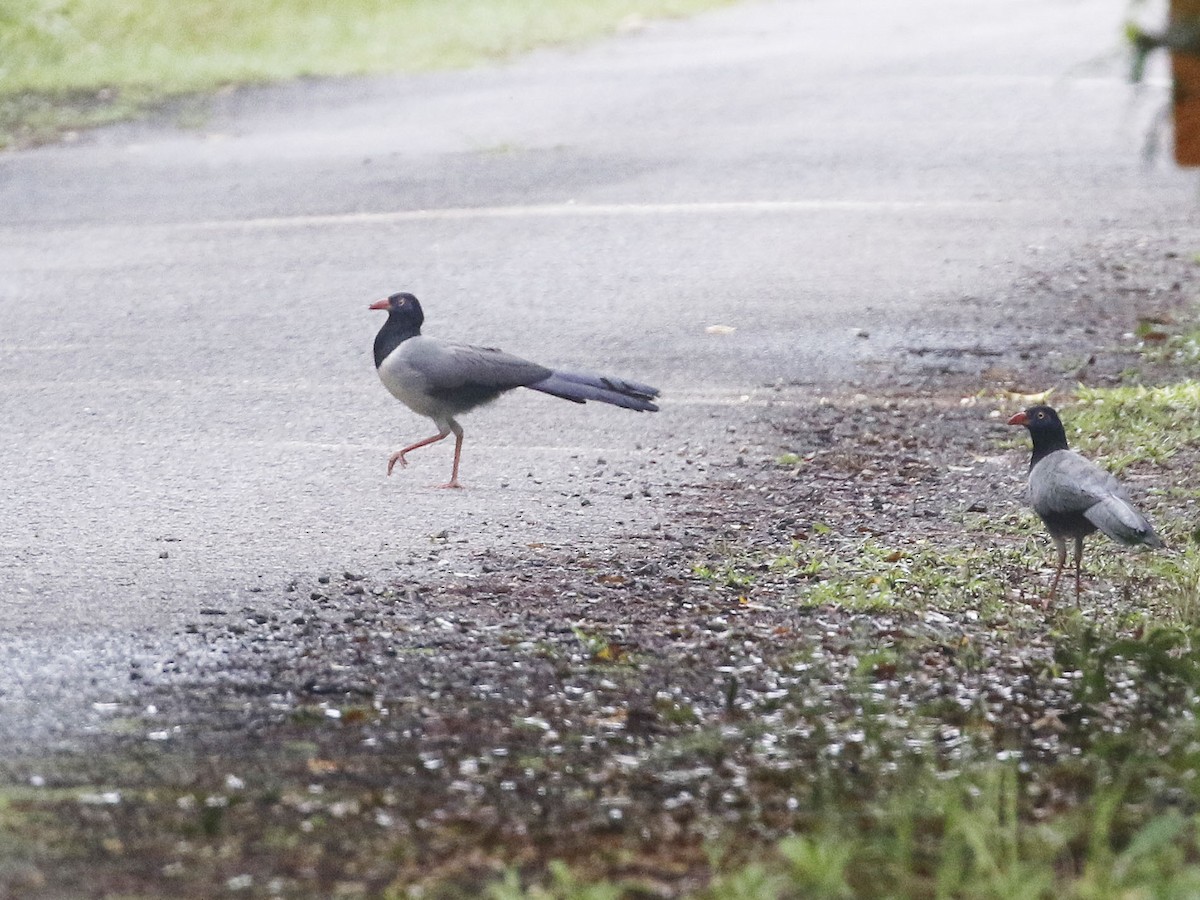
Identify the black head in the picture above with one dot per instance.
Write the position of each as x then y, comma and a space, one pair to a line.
403, 322
403, 306
1045, 427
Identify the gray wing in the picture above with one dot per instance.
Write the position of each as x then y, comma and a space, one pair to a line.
1065, 484
446, 366
1122, 522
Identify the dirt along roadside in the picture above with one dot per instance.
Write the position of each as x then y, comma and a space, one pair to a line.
844, 604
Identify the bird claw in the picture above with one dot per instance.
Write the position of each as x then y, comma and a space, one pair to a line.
451, 484
396, 458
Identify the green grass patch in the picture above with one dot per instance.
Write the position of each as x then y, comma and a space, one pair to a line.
872, 575
865, 574
730, 574
1134, 423
1176, 580
965, 838
66, 64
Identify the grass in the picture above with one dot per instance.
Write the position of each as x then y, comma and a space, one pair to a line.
965, 838
863, 574
70, 64
1135, 423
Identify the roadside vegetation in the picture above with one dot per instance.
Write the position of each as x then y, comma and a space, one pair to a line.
71, 65
1089, 794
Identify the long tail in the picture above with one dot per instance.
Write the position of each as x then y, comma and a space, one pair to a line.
1124, 524
579, 387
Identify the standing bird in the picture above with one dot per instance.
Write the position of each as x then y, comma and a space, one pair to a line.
441, 379
1074, 496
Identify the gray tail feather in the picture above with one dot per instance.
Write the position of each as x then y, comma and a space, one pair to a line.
580, 387
1124, 524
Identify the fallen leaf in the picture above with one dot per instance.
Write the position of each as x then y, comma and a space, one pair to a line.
610, 653
1050, 721
1029, 399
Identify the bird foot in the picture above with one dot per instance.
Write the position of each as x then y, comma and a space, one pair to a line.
451, 484
397, 457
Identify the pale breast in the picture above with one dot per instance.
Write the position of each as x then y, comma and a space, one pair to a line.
407, 383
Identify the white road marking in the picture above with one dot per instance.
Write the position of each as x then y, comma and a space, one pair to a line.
583, 210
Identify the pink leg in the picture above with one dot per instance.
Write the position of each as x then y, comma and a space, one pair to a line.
398, 456
458, 438
1078, 566
1062, 561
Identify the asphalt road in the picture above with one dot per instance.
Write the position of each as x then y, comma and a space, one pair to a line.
191, 412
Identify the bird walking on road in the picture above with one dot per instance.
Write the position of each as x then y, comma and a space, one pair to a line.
1074, 496
440, 379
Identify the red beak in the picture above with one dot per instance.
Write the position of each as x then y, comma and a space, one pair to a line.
1019, 419
379, 304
